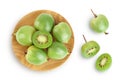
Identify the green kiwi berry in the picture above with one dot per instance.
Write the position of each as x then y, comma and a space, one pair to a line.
24, 35
42, 39
62, 32
57, 51
103, 62
99, 23
44, 22
35, 56
90, 49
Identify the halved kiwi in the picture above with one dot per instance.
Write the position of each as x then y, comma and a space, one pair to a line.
103, 62
20, 51
90, 48
42, 39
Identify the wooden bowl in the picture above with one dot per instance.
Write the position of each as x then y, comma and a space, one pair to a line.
20, 51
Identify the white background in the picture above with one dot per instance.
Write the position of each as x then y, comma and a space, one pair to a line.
78, 14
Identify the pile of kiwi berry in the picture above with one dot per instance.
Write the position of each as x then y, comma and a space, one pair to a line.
42, 40
91, 48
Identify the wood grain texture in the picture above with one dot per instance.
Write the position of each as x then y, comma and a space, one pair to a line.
20, 51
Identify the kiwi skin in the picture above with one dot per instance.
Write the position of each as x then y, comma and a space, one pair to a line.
103, 62
44, 22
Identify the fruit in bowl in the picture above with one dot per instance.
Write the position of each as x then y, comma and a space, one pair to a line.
37, 55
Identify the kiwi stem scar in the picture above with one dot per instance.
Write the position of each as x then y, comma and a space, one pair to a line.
106, 33
25, 52
13, 34
93, 13
84, 39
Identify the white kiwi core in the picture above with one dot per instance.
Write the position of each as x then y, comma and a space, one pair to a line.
103, 61
42, 39
91, 50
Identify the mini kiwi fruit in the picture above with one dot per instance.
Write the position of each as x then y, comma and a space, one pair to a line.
35, 56
24, 35
57, 51
103, 62
44, 22
99, 23
42, 39
89, 49
62, 32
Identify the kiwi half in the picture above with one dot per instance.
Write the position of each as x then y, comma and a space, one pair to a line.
103, 62
89, 49
42, 39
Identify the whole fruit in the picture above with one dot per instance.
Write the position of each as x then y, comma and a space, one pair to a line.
62, 32
24, 35
103, 62
36, 56
57, 51
44, 22
99, 23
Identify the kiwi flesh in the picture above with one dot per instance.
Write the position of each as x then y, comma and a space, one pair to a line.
103, 62
42, 39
